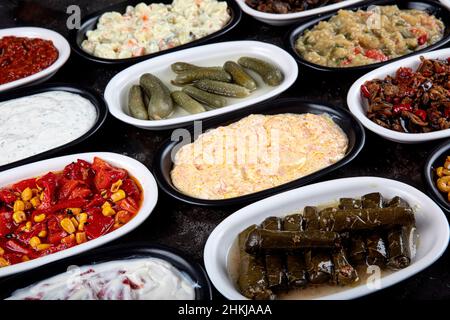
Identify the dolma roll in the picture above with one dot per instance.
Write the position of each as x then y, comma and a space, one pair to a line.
252, 279
318, 262
349, 203
344, 273
358, 251
401, 240
372, 200
295, 263
274, 263
263, 241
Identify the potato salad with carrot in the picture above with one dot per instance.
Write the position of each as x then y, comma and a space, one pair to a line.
146, 29
355, 38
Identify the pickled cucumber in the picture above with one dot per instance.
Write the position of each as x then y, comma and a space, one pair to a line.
161, 104
179, 67
136, 103
239, 75
186, 102
268, 72
222, 88
207, 98
192, 75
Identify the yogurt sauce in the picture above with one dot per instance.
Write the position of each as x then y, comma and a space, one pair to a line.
136, 279
41, 122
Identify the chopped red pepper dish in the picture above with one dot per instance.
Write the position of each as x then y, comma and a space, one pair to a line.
411, 101
59, 210
22, 57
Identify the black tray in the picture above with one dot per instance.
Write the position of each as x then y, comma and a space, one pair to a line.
353, 129
119, 252
92, 96
432, 7
435, 160
76, 37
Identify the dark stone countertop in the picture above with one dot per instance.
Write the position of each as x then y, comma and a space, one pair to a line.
187, 227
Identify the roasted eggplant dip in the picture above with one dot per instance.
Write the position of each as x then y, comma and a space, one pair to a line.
380, 33
146, 29
411, 101
323, 250
256, 153
288, 6
199, 88
134, 279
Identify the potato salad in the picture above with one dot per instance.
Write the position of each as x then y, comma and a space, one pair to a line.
146, 29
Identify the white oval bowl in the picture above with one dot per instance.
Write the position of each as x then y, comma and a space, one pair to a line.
432, 227
276, 19
445, 3
134, 168
59, 42
358, 104
116, 92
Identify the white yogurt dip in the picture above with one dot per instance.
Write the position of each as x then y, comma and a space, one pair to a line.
41, 122
136, 279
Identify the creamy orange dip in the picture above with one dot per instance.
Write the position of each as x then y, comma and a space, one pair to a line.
257, 153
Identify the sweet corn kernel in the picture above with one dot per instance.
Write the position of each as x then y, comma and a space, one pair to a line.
25, 258
74, 211
67, 225
34, 242
68, 239
3, 262
108, 211
43, 246
42, 234
119, 195
116, 185
74, 221
27, 226
81, 237
1, 251
19, 205
41, 196
19, 216
81, 226
27, 194
35, 202
39, 217
82, 217
106, 205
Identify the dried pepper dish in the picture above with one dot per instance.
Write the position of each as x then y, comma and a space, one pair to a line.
411, 101
59, 210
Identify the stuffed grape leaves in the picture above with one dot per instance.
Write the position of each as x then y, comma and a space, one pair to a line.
349, 203
372, 200
376, 250
252, 279
344, 273
274, 263
357, 250
295, 263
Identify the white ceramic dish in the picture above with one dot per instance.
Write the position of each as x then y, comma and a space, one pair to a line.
445, 3
358, 104
289, 18
116, 92
432, 227
134, 167
59, 42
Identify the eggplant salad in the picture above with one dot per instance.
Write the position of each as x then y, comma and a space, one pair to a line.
327, 246
411, 101
287, 6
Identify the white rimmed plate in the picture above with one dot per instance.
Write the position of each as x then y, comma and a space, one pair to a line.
116, 92
432, 227
59, 42
358, 104
276, 19
134, 168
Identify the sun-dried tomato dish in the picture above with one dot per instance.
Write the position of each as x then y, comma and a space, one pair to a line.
411, 101
21, 57
59, 210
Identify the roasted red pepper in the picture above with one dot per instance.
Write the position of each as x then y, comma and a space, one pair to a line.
365, 92
376, 55
402, 107
421, 113
7, 196
422, 39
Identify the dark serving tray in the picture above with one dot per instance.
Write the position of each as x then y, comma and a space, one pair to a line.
432, 7
436, 159
353, 129
119, 252
92, 96
76, 37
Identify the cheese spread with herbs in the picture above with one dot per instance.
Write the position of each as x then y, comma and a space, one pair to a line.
256, 153
355, 38
146, 29
41, 122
